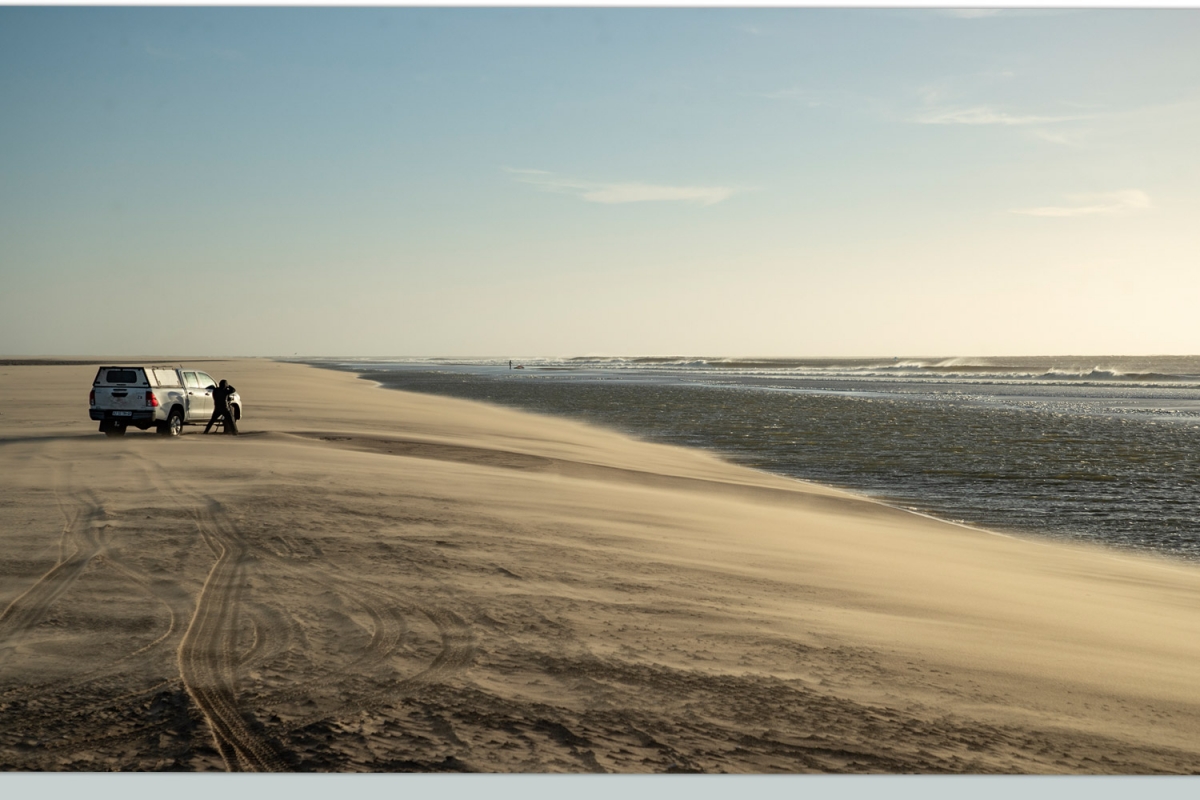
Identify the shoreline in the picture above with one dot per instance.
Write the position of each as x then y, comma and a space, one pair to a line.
426, 583
1041, 536
763, 471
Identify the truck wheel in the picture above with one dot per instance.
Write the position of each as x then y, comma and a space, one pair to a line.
173, 426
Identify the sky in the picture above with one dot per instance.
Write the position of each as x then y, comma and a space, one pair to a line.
501, 182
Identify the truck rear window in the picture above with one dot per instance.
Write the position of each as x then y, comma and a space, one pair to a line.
121, 376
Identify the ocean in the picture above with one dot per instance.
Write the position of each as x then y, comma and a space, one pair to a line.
1102, 449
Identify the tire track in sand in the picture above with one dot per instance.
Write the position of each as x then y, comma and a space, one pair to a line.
208, 659
82, 536
60, 715
457, 653
388, 628
388, 614
88, 528
207, 654
80, 511
209, 664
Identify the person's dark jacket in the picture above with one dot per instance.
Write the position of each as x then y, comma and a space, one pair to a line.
221, 397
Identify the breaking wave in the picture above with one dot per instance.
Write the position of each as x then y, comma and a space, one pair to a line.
1041, 369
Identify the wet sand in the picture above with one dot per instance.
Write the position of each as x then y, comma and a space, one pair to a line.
374, 580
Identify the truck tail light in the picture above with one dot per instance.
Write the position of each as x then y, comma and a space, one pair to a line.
92, 397
151, 400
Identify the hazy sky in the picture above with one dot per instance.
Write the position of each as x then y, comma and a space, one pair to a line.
569, 182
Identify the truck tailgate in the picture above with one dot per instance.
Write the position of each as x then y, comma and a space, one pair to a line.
120, 398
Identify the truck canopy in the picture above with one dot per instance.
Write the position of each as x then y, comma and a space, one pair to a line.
137, 376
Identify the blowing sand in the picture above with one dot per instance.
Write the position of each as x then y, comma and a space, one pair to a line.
373, 580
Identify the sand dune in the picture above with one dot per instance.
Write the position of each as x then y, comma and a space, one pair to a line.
372, 580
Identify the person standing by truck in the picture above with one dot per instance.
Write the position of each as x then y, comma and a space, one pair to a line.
220, 397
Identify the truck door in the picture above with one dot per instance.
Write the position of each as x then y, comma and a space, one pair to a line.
208, 385
199, 399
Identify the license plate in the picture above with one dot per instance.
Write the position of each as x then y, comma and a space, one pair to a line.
122, 413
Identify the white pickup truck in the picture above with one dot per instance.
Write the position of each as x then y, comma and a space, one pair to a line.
163, 396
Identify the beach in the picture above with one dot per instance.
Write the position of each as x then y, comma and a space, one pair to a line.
1100, 449
374, 580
